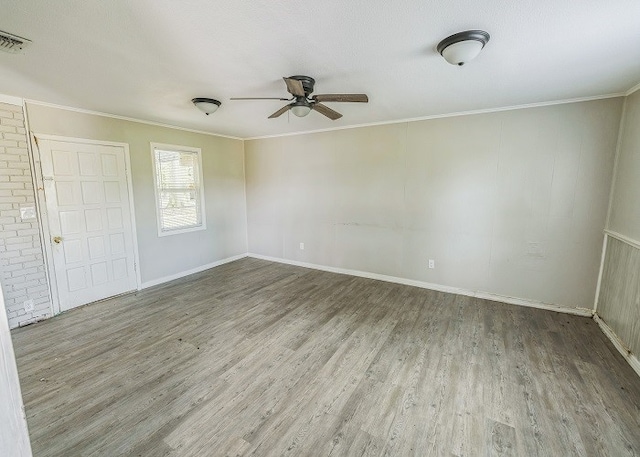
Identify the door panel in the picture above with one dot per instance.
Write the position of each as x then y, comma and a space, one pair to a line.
87, 197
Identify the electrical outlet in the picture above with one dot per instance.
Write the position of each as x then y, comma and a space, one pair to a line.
28, 305
302, 246
432, 263
535, 249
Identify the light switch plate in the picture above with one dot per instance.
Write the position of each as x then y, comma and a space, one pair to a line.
27, 213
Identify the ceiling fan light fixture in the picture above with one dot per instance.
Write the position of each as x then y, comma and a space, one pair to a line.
463, 47
206, 105
301, 88
300, 108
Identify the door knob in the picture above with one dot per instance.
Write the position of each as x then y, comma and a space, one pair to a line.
57, 239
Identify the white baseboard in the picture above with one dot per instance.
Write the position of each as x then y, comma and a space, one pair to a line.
182, 274
33, 320
441, 288
619, 344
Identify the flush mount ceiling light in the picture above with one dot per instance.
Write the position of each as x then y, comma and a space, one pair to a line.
462, 47
206, 105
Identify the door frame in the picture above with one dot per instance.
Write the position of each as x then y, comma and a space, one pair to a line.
41, 209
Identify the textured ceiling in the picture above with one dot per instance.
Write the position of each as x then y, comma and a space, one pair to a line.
147, 58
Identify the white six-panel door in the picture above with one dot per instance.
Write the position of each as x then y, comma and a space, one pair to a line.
89, 215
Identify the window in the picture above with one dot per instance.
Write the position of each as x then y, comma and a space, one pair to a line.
179, 189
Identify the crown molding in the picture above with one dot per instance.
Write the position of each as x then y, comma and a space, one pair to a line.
632, 90
21, 101
441, 116
125, 118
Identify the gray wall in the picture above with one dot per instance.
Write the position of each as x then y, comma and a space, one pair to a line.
223, 172
619, 300
625, 202
511, 203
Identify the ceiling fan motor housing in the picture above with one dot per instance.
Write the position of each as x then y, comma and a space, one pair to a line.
307, 82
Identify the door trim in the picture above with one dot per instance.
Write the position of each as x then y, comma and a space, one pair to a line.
42, 212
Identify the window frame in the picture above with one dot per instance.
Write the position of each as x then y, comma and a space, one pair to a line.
177, 148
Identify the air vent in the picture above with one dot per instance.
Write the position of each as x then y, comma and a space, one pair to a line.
12, 43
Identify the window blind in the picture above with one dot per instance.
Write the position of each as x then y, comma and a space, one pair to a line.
179, 189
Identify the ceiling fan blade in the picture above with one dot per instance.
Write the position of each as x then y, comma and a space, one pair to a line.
325, 110
357, 98
294, 87
261, 98
280, 112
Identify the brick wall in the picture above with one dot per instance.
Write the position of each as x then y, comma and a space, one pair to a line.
22, 268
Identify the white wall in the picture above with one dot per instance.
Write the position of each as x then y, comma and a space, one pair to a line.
223, 173
511, 203
22, 266
14, 436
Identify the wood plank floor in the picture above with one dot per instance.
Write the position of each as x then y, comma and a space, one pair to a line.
257, 358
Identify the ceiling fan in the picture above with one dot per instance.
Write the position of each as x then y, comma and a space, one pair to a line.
301, 88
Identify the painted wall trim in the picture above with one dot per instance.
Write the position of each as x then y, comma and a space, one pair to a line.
371, 124
182, 274
600, 271
619, 344
203, 206
246, 211
42, 215
440, 116
42, 226
623, 238
11, 100
438, 287
43, 222
125, 118
632, 90
71, 139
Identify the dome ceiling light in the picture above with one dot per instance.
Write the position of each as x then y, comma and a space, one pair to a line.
206, 105
462, 47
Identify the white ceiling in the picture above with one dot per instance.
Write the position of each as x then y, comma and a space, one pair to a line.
147, 58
